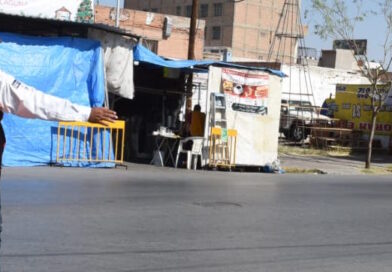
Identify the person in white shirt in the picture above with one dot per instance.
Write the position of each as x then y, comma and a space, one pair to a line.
25, 101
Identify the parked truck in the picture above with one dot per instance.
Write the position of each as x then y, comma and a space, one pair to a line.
297, 117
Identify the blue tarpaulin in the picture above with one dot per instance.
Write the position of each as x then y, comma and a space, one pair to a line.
142, 54
66, 67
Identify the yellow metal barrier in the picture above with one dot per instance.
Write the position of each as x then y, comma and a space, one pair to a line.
223, 147
90, 142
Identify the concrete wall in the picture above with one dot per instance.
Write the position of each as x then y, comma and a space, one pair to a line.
170, 7
328, 59
150, 26
255, 23
257, 135
323, 82
339, 59
345, 60
248, 27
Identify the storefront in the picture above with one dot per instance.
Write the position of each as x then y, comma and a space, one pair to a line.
352, 104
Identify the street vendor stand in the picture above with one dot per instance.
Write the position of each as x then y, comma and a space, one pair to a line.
254, 114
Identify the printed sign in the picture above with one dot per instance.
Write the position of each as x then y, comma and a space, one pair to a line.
65, 10
246, 91
354, 106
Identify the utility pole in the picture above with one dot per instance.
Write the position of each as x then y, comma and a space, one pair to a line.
118, 14
191, 51
192, 29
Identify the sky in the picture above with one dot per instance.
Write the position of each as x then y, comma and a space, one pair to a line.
369, 30
109, 2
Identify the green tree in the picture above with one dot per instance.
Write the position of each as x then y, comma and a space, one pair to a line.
85, 12
339, 19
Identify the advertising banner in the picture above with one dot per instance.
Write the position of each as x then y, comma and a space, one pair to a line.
68, 10
353, 103
246, 91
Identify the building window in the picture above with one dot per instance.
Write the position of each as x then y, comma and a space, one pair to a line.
203, 10
216, 32
218, 9
178, 10
154, 10
205, 33
152, 45
188, 12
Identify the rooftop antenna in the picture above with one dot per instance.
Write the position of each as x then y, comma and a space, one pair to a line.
289, 36
118, 14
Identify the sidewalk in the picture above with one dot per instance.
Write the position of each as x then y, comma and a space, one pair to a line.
337, 165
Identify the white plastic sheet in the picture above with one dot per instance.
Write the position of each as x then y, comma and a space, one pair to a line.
118, 57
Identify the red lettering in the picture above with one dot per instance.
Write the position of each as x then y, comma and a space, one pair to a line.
379, 127
350, 125
363, 126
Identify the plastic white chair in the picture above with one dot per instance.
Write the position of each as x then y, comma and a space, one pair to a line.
193, 154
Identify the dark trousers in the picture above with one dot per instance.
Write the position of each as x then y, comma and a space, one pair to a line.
2, 145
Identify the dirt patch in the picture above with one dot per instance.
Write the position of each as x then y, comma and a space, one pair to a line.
294, 170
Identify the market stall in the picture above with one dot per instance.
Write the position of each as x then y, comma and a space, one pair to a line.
157, 112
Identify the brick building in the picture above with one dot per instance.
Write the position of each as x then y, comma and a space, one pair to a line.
243, 28
165, 35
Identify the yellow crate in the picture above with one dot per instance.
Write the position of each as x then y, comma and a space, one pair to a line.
222, 151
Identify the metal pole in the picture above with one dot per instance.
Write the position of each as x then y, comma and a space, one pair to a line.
191, 51
118, 14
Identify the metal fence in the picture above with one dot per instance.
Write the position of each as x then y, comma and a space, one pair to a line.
89, 142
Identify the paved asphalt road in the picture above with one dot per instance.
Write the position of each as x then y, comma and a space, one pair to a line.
149, 219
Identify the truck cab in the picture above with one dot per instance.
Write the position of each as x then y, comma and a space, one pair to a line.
296, 118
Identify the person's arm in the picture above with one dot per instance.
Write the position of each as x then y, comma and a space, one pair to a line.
25, 101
